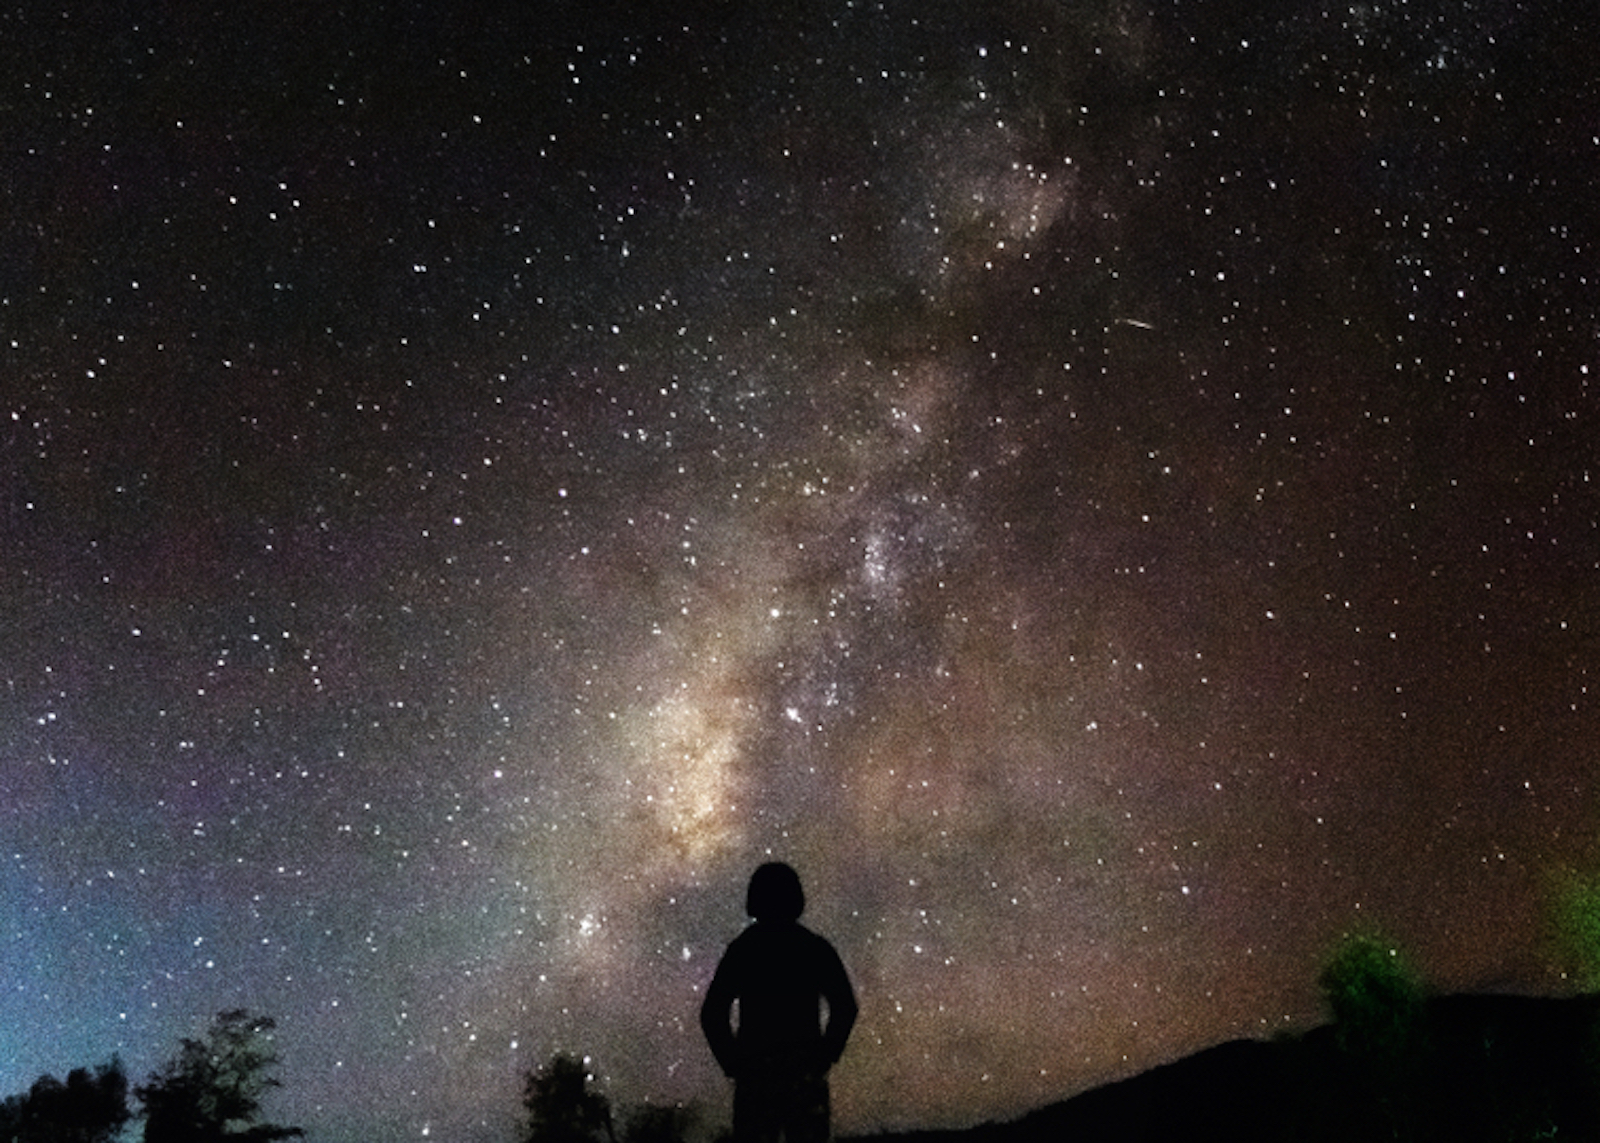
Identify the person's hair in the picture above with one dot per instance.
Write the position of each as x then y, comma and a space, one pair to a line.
775, 893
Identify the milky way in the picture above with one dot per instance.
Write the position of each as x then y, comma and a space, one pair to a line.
1106, 490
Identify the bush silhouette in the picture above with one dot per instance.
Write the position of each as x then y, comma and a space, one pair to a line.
659, 1123
562, 1108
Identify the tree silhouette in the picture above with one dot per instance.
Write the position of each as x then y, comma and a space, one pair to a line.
1577, 924
211, 1091
91, 1107
562, 1108
1378, 1009
1376, 1000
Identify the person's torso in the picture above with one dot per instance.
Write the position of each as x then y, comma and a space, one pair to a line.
783, 981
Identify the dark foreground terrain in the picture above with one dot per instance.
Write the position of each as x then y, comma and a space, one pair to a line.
1467, 1069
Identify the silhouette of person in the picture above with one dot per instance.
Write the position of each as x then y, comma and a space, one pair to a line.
778, 1055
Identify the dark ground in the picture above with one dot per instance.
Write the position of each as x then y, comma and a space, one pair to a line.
1478, 1068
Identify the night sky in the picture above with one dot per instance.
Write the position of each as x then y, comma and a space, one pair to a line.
1110, 491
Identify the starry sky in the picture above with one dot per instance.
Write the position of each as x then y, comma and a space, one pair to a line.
1107, 489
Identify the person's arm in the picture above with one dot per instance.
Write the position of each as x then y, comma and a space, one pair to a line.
842, 1008
716, 1017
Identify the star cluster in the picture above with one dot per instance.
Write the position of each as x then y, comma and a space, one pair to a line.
1106, 490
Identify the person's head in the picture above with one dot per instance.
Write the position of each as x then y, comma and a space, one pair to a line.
775, 893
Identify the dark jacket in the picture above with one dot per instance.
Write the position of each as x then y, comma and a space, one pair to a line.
778, 971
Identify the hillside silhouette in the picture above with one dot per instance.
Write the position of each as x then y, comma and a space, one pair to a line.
1475, 1068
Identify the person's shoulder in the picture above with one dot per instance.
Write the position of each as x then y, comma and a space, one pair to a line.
775, 935
788, 934
756, 940
815, 943
740, 944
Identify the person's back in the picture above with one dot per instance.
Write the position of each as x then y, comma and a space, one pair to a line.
780, 973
